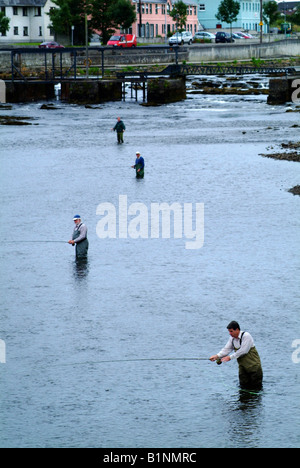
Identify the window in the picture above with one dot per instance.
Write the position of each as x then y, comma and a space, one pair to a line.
25, 31
16, 31
202, 7
15, 11
40, 31
25, 11
38, 11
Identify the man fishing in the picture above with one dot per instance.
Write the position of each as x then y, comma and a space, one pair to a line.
120, 129
79, 238
139, 166
243, 348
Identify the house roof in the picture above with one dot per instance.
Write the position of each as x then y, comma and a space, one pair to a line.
22, 3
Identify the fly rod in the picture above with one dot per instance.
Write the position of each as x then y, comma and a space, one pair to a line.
111, 361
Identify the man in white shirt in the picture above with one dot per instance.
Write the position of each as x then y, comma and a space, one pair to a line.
242, 347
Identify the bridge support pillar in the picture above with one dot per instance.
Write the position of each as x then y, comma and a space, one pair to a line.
23, 91
282, 90
91, 91
165, 90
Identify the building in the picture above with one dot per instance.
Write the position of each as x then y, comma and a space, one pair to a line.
248, 18
155, 20
288, 8
29, 21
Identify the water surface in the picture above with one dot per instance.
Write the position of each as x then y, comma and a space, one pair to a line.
143, 298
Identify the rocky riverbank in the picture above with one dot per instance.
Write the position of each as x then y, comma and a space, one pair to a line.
291, 153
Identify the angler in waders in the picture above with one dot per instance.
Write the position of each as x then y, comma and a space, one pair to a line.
139, 166
243, 348
120, 129
79, 238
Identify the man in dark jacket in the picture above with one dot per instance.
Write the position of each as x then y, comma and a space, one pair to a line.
120, 129
139, 166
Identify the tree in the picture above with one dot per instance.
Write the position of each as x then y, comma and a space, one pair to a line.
295, 17
69, 13
4, 23
270, 12
102, 17
228, 12
124, 14
179, 15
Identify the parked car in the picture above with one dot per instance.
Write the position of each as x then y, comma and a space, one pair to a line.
244, 35
51, 45
123, 40
223, 37
181, 38
204, 35
236, 36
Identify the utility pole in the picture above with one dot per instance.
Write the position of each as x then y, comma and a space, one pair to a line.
86, 48
140, 18
261, 21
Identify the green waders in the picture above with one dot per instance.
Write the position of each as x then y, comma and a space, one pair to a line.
139, 175
81, 247
250, 370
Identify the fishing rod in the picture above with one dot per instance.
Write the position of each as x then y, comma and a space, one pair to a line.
34, 241
111, 361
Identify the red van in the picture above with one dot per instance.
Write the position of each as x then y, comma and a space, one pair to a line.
123, 40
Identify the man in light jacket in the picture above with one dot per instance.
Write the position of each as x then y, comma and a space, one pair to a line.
79, 238
242, 347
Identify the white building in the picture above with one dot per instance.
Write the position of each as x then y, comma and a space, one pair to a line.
29, 21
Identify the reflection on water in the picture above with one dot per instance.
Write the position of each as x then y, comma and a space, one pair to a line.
81, 268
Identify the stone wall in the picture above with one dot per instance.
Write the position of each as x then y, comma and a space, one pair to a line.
142, 56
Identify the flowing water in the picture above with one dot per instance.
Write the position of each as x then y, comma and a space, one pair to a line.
148, 297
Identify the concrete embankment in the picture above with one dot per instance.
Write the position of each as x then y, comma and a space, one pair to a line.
109, 58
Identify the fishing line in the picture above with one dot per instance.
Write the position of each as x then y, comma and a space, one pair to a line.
33, 241
111, 361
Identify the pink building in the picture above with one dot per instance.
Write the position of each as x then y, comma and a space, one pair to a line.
155, 20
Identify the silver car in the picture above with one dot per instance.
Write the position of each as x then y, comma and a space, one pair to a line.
204, 35
181, 38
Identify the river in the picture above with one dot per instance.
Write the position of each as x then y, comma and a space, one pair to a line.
148, 298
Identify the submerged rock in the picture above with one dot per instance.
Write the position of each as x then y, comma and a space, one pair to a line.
13, 120
295, 190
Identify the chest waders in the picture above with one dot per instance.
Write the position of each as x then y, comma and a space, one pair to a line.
139, 175
82, 246
250, 370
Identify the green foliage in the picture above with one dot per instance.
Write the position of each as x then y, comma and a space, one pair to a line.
270, 12
4, 23
295, 17
124, 14
228, 11
179, 15
66, 14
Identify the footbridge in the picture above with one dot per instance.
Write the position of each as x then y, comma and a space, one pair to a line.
210, 70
